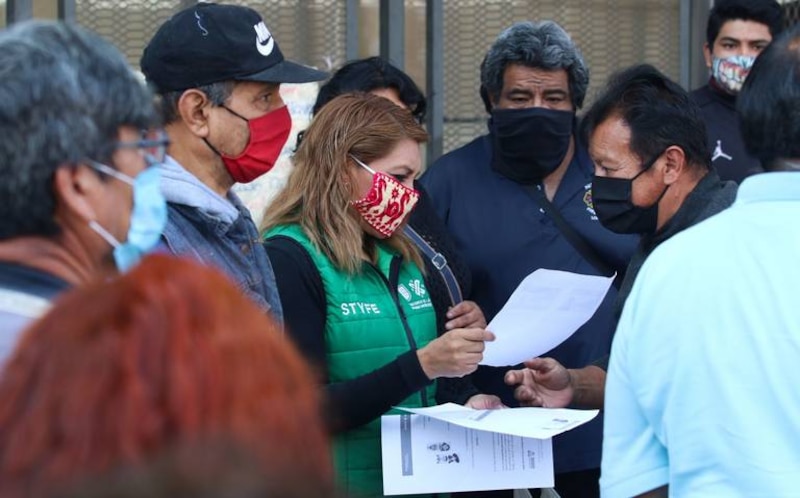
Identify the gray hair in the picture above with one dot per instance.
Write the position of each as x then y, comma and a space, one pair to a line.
218, 93
543, 45
64, 94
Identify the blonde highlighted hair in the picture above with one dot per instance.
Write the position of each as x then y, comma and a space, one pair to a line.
321, 187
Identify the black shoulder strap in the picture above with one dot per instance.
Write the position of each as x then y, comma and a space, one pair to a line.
439, 262
573, 237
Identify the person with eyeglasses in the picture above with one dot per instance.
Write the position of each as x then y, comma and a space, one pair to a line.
79, 200
228, 124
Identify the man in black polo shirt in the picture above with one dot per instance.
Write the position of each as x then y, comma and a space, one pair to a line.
78, 200
737, 31
493, 192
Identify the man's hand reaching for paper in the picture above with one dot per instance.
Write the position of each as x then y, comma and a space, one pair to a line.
544, 382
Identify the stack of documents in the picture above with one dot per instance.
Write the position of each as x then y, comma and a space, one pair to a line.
451, 448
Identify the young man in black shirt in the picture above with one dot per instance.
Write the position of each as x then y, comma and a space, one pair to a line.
737, 31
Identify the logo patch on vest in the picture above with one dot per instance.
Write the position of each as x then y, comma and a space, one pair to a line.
415, 294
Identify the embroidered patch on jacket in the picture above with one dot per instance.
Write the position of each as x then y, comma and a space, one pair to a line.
587, 199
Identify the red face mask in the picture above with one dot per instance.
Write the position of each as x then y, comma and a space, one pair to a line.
268, 135
387, 203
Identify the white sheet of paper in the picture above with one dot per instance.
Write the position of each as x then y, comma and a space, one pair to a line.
545, 309
425, 455
540, 423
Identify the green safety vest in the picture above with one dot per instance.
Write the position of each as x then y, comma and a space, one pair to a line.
364, 330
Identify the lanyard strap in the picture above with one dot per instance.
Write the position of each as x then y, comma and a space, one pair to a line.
439, 262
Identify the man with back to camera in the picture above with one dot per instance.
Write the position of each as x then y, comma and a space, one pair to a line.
490, 195
219, 70
737, 31
705, 401
79, 200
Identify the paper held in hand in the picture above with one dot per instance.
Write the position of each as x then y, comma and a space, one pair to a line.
545, 309
451, 448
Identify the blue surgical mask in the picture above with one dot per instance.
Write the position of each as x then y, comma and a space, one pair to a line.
148, 218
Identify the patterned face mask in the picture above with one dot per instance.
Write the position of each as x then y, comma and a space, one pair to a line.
387, 203
730, 72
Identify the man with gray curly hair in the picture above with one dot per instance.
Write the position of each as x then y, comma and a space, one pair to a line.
519, 199
78, 198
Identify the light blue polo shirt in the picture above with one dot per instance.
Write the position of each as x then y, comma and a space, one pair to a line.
703, 388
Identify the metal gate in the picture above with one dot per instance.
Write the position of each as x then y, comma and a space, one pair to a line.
611, 34
308, 31
325, 33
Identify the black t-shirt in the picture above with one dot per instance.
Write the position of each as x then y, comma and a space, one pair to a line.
728, 154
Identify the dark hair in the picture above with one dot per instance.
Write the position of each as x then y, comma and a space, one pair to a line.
65, 94
543, 45
373, 73
658, 112
769, 103
766, 12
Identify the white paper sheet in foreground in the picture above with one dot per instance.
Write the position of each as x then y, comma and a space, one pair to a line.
540, 423
425, 455
451, 448
545, 309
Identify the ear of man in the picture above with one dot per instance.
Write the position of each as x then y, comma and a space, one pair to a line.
675, 164
194, 108
76, 189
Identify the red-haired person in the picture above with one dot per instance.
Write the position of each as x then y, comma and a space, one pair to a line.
169, 354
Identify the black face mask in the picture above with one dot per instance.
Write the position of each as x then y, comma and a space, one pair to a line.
529, 144
612, 200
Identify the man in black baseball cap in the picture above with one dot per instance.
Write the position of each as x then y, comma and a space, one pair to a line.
209, 43
218, 70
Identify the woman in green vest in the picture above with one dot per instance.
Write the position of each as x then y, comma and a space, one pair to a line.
350, 282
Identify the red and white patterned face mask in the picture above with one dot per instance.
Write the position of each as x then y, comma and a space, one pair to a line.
387, 203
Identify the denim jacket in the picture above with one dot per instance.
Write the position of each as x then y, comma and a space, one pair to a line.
217, 231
